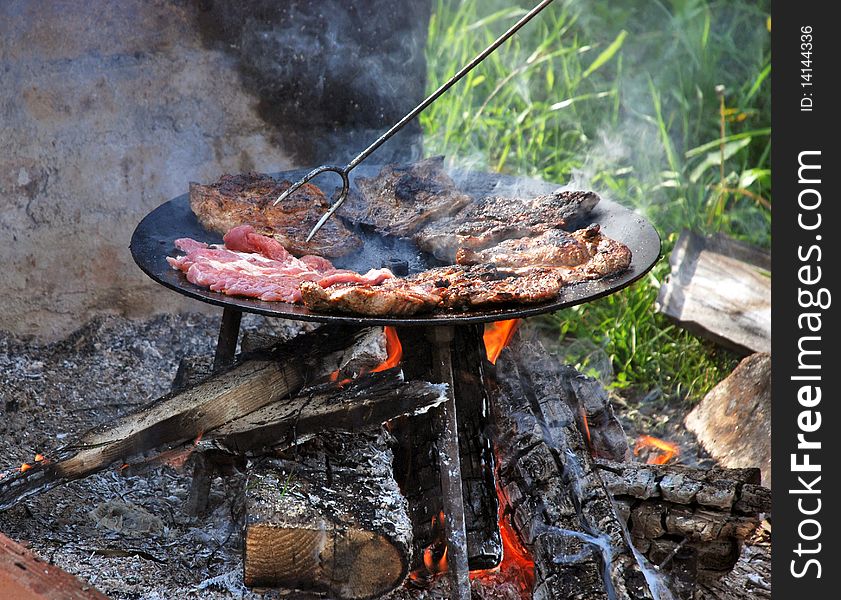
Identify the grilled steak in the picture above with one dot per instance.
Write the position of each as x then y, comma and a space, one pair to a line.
394, 297
402, 198
246, 199
455, 287
580, 255
491, 220
478, 286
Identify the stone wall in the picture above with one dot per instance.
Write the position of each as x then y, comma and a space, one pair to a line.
108, 109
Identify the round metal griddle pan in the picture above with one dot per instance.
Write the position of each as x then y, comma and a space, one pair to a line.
153, 240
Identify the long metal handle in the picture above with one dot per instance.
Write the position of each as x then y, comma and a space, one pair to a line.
343, 172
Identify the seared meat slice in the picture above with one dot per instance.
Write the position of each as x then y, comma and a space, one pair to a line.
552, 248
482, 286
246, 199
394, 297
403, 198
491, 220
580, 255
454, 287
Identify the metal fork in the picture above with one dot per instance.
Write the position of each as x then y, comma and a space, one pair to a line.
344, 171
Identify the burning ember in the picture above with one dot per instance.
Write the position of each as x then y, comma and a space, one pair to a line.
394, 354
436, 564
497, 336
393, 348
517, 565
39, 458
586, 424
660, 451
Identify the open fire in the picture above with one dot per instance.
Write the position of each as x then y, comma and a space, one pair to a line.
543, 453
394, 354
497, 336
659, 451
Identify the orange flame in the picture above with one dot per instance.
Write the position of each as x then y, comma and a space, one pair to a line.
393, 349
25, 467
586, 425
394, 354
497, 336
432, 565
667, 450
39, 457
517, 564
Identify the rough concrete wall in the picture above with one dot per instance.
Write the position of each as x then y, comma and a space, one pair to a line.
107, 109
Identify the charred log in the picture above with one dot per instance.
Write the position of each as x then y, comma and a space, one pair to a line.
484, 544
417, 454
554, 496
328, 517
672, 509
367, 402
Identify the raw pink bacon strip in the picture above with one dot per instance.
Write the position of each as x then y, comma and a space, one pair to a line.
372, 277
256, 266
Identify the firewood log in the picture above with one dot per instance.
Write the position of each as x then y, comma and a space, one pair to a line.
553, 493
328, 517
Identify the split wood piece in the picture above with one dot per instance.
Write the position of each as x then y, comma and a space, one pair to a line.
180, 417
362, 404
733, 421
554, 496
416, 455
24, 576
720, 289
481, 507
328, 518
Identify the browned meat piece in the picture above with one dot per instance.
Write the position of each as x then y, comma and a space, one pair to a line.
554, 248
482, 286
491, 220
403, 198
246, 199
453, 287
394, 297
580, 255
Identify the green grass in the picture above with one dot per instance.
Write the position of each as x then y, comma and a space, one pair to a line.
662, 106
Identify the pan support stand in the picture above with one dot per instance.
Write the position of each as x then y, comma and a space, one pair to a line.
226, 345
204, 468
441, 339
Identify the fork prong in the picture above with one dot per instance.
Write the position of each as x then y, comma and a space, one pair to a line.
327, 215
290, 190
305, 179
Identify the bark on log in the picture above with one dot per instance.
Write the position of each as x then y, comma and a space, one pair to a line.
556, 500
365, 403
707, 514
251, 383
735, 490
328, 517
